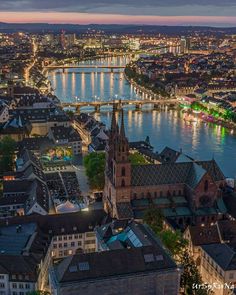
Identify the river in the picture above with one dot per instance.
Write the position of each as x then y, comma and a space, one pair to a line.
165, 128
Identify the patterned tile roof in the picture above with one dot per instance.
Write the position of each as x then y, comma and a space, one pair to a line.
172, 173
124, 210
213, 169
195, 175
189, 173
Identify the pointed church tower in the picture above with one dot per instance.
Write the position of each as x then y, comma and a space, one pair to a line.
118, 173
114, 131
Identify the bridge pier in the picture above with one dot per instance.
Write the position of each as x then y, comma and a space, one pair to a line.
156, 106
97, 108
138, 107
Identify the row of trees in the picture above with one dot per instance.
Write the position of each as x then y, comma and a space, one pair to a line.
225, 115
156, 87
177, 247
7, 152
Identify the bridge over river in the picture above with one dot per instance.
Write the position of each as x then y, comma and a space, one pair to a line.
119, 104
81, 66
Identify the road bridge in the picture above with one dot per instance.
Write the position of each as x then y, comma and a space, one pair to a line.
119, 104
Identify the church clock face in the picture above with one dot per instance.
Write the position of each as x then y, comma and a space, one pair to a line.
205, 201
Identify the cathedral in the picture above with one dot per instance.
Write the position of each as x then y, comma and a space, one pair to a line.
187, 191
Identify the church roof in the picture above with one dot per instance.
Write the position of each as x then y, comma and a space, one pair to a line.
175, 173
143, 175
124, 210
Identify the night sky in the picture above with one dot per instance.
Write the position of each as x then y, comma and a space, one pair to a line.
168, 12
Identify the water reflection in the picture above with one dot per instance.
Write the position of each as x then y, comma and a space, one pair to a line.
165, 128
199, 140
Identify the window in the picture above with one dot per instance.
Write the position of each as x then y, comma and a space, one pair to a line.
54, 246
90, 234
89, 242
72, 244
2, 285
206, 184
123, 182
123, 171
79, 243
1, 277
161, 193
65, 238
231, 275
21, 286
65, 245
70, 237
80, 236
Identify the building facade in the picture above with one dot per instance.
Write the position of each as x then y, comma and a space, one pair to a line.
198, 183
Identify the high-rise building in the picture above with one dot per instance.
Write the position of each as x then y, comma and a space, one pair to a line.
183, 45
63, 39
70, 40
188, 44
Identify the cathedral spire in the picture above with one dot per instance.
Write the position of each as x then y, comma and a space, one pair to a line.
113, 120
122, 125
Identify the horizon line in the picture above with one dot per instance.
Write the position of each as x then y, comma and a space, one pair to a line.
120, 24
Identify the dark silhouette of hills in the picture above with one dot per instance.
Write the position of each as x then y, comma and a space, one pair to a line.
112, 28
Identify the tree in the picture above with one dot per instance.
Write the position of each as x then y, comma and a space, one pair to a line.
154, 218
191, 276
38, 292
70, 113
177, 246
137, 159
174, 242
95, 165
7, 150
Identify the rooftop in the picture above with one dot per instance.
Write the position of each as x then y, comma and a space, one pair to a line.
14, 238
100, 265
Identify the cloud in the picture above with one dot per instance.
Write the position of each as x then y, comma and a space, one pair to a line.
132, 7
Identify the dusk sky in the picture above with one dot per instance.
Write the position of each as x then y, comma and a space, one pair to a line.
167, 12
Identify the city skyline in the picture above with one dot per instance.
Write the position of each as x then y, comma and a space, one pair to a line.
172, 12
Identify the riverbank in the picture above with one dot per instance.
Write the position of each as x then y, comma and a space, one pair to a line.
199, 112
142, 90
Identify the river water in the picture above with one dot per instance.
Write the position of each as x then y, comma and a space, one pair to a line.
165, 128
